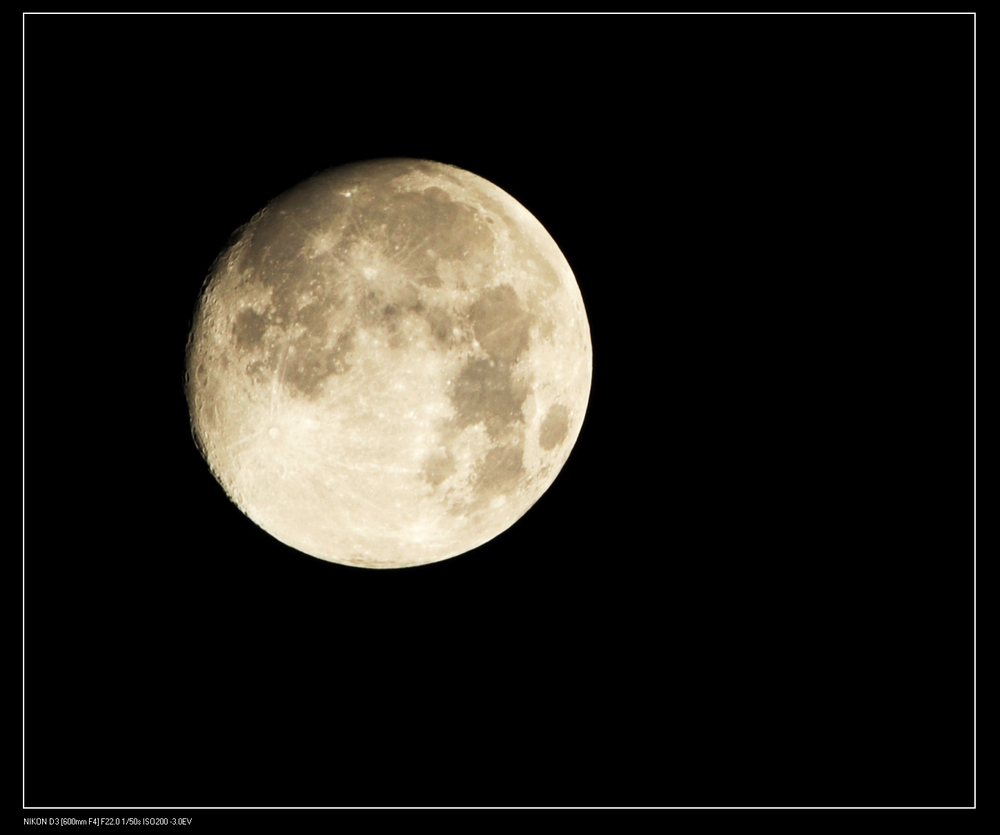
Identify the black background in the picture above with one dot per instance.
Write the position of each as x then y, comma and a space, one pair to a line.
752, 583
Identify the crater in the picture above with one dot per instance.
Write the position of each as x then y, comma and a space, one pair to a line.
430, 280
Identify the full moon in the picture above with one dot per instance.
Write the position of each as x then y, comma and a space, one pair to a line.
389, 364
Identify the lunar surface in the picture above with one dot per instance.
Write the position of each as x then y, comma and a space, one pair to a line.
389, 364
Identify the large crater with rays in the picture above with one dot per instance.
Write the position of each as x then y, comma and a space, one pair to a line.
389, 364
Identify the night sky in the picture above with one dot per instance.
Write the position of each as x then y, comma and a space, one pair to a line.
752, 583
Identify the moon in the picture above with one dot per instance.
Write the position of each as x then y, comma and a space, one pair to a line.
389, 364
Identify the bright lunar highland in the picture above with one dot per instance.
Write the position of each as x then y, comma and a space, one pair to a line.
389, 364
